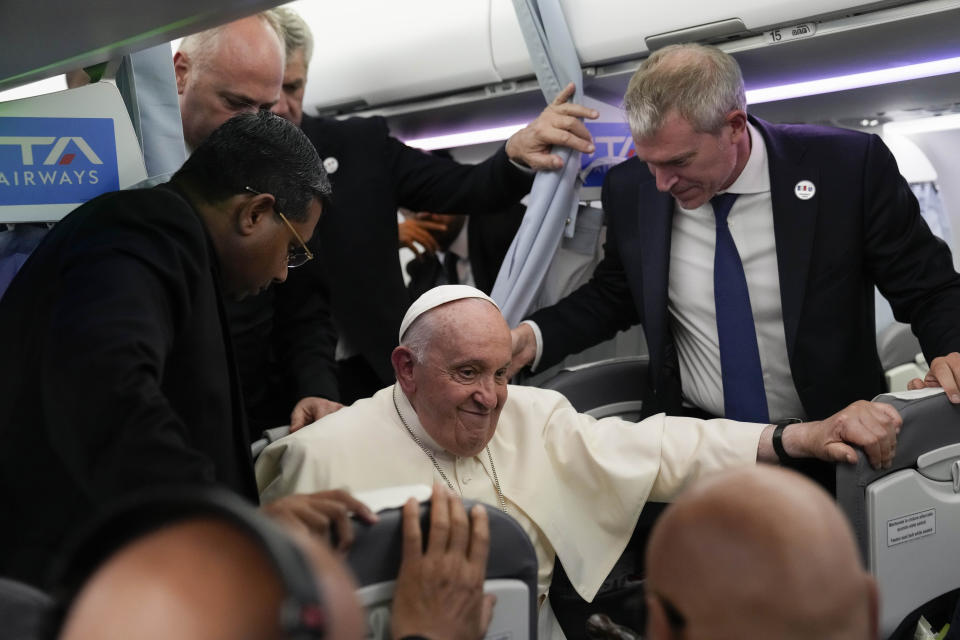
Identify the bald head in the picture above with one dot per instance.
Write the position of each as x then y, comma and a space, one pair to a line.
201, 579
760, 552
234, 68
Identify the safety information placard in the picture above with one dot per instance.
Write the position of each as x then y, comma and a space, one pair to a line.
911, 527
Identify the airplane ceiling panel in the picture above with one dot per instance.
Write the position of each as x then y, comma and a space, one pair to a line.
42, 38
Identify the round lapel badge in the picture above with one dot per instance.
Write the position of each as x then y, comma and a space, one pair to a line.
804, 190
331, 164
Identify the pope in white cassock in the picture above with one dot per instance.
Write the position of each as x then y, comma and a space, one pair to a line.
575, 484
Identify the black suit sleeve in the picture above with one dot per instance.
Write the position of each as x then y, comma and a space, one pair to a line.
304, 334
125, 294
912, 268
424, 182
597, 310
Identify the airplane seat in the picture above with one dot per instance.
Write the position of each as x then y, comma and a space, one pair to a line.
612, 387
58, 151
602, 389
900, 355
375, 558
269, 435
906, 519
23, 610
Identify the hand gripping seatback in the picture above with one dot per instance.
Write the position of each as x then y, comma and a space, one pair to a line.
907, 518
375, 558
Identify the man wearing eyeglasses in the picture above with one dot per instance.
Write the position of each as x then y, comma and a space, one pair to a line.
117, 370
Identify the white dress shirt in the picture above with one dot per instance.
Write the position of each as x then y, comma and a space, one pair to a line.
690, 300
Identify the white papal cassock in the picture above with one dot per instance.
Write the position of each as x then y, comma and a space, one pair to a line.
575, 484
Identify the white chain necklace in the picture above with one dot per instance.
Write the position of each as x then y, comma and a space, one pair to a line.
426, 450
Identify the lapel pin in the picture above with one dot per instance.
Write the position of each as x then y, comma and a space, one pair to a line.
804, 190
331, 165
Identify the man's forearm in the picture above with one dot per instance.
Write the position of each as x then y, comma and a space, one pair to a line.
792, 443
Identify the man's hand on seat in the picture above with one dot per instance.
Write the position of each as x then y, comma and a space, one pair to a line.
944, 372
524, 348
439, 593
872, 426
559, 124
321, 514
311, 409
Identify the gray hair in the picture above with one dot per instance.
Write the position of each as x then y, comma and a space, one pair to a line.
200, 46
702, 83
418, 336
295, 32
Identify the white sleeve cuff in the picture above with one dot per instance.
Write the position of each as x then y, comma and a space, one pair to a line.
539, 338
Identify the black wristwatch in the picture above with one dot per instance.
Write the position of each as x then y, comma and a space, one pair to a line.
780, 425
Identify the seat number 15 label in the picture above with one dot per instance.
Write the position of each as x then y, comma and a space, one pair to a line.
786, 34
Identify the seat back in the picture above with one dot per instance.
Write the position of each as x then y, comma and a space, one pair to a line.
56, 152
375, 558
23, 610
61, 149
605, 388
900, 356
907, 518
269, 436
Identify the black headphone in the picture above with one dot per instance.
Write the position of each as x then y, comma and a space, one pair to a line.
302, 614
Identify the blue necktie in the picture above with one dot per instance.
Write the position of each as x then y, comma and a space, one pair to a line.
743, 393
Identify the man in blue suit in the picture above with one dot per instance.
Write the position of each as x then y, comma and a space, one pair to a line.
749, 252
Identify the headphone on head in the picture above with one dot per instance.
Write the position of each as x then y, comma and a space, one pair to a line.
302, 615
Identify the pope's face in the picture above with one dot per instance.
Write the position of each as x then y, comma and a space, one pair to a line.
461, 385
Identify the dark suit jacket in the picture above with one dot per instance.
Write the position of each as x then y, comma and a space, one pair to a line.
356, 240
116, 371
862, 228
488, 239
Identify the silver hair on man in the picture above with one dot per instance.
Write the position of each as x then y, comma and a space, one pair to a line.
702, 83
295, 32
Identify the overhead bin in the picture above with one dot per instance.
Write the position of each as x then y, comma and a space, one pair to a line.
381, 51
609, 30
420, 48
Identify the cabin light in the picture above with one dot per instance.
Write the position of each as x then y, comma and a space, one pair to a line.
453, 140
923, 125
854, 81
754, 96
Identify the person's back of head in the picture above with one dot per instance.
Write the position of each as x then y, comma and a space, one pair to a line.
757, 553
200, 564
261, 151
703, 84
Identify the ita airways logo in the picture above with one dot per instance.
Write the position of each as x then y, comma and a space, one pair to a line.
613, 144
56, 160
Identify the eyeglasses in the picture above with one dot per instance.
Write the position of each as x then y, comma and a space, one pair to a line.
295, 258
